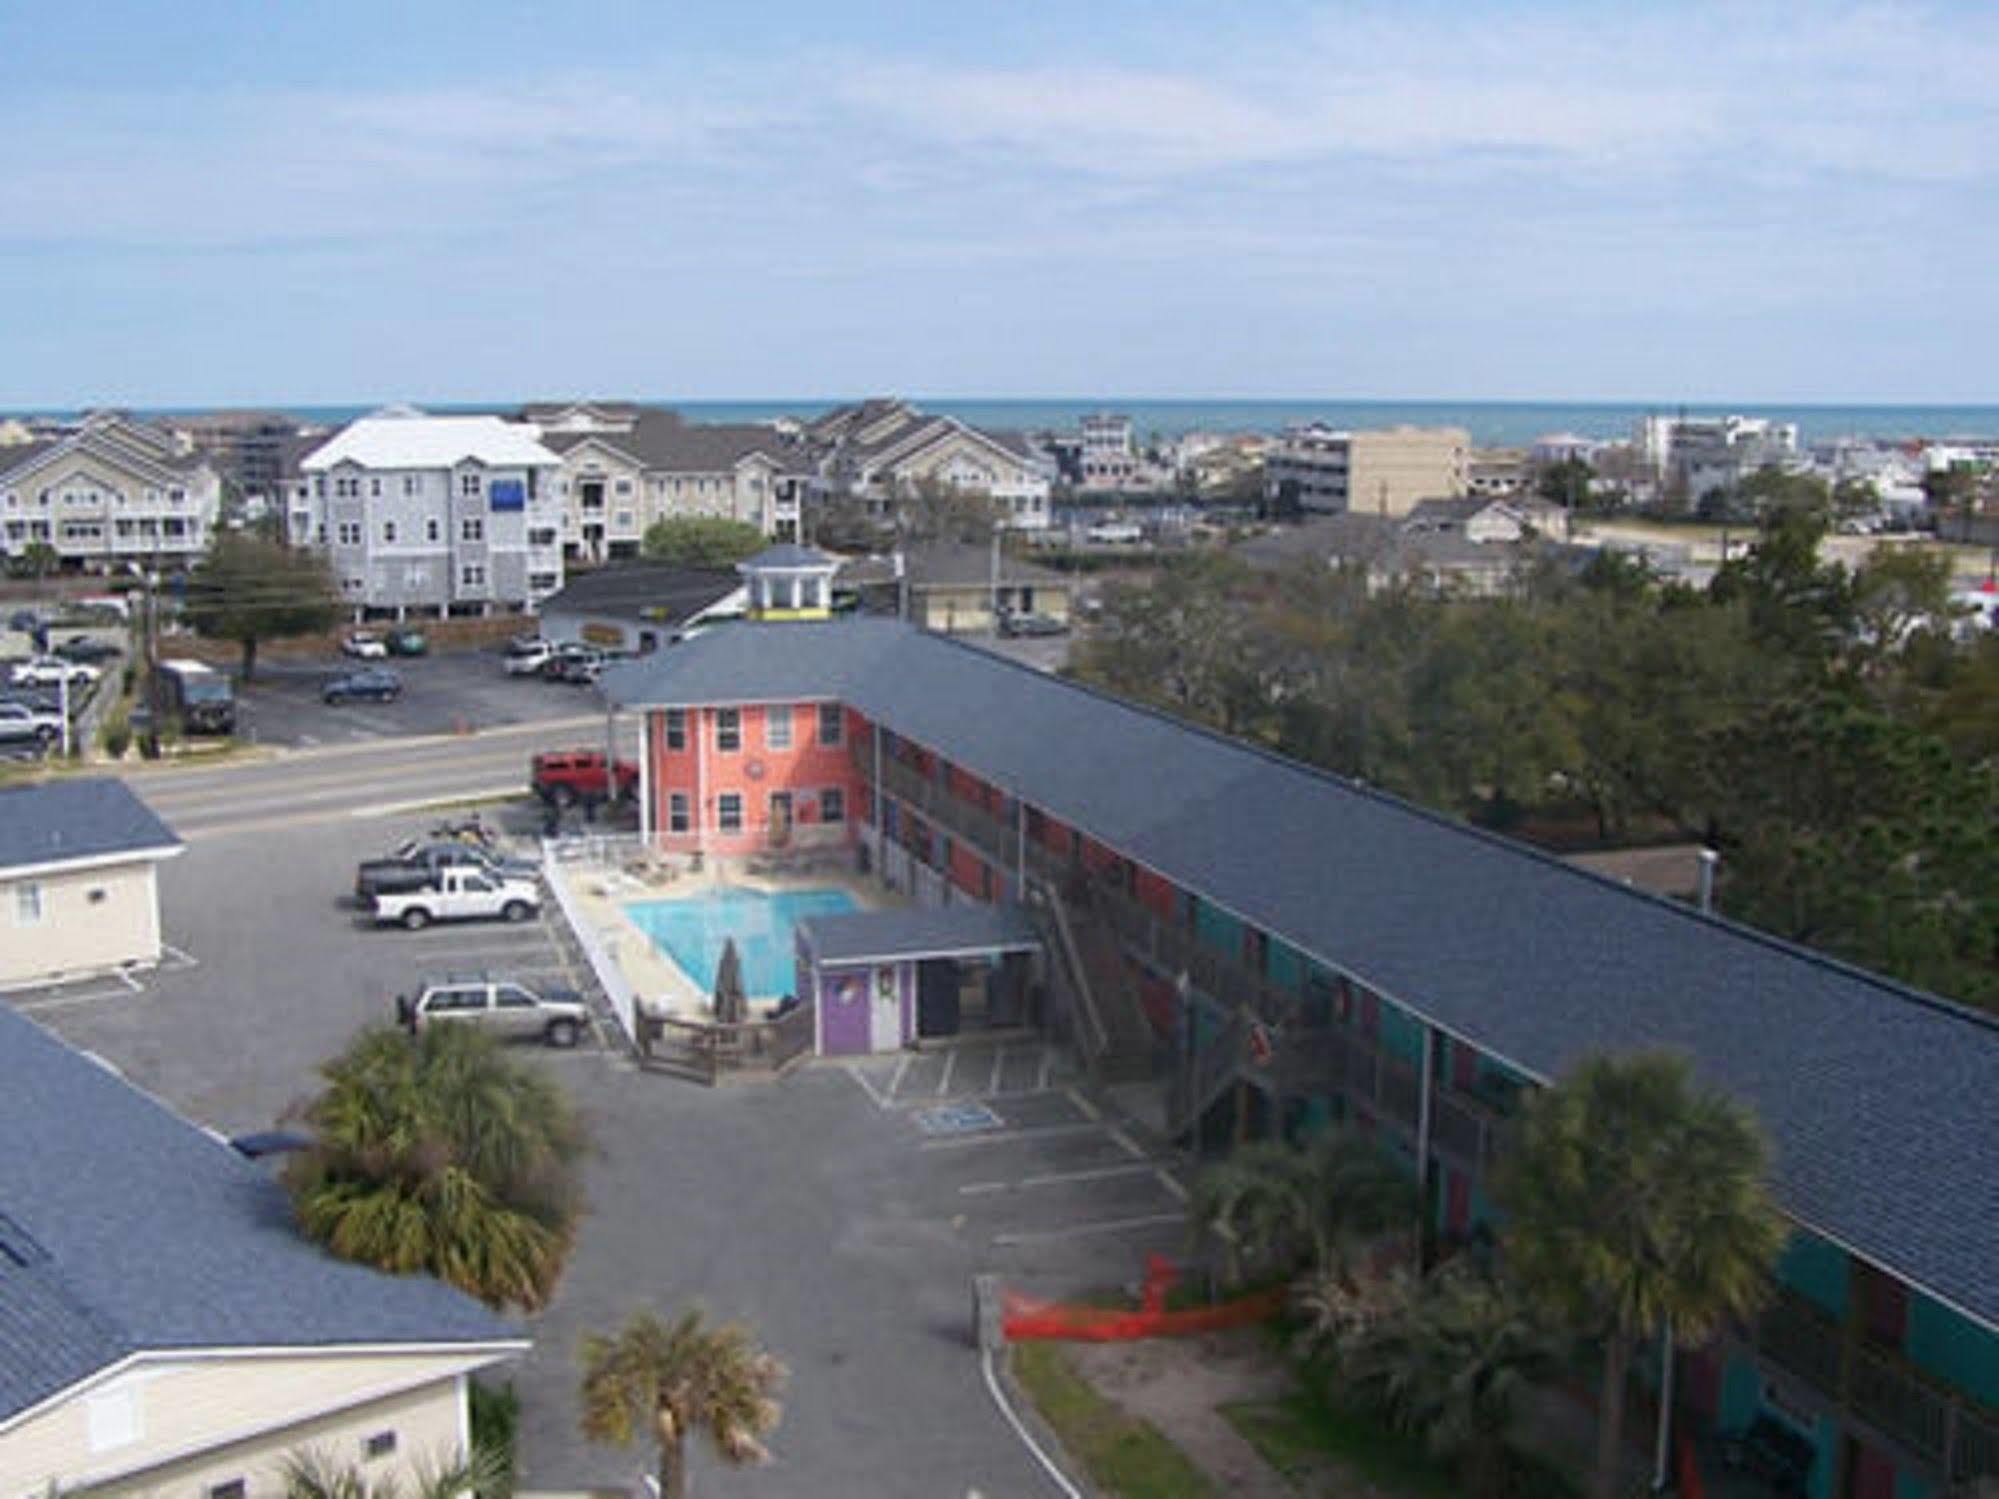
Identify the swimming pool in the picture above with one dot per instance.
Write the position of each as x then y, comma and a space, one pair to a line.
691, 931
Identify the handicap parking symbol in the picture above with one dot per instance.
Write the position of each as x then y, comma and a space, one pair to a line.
957, 1119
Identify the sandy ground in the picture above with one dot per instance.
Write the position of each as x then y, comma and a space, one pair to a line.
1178, 1383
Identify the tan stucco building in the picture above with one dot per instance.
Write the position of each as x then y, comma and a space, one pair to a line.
1388, 471
78, 887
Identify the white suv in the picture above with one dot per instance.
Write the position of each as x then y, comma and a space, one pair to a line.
557, 1016
526, 658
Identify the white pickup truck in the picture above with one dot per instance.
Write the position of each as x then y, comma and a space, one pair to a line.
461, 892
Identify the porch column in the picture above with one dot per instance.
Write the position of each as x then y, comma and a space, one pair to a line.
875, 797
1019, 849
1423, 1116
645, 778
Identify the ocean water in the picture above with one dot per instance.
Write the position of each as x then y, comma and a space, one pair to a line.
1491, 423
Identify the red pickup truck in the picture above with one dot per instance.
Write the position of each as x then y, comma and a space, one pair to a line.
563, 777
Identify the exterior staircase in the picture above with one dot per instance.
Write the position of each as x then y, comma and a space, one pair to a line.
1111, 1031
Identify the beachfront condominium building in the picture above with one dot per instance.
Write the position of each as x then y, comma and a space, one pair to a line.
112, 492
433, 515
881, 452
1383, 472
624, 467
1288, 951
1708, 455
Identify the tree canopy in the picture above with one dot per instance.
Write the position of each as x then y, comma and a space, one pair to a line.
675, 1382
1635, 1201
441, 1155
702, 541
249, 588
1817, 724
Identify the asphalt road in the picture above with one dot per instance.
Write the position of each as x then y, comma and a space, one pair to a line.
307, 788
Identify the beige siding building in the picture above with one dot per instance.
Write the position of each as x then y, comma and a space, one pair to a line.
78, 892
1385, 472
164, 1331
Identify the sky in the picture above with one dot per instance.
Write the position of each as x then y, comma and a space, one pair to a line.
351, 201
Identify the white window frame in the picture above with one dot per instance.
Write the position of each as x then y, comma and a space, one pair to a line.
30, 909
777, 726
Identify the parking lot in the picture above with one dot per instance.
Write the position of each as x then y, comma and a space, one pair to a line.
843, 1210
449, 692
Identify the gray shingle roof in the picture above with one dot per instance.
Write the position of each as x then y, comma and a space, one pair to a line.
131, 1230
918, 932
1881, 1101
642, 591
82, 819
662, 441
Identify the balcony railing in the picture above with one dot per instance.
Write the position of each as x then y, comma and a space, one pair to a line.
1954, 1435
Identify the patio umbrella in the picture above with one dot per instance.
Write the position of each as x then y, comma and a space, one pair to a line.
732, 1005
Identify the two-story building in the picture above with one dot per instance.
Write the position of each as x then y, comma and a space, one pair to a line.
1285, 950
433, 515
113, 492
624, 467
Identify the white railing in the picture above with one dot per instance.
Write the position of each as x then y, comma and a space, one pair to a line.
560, 858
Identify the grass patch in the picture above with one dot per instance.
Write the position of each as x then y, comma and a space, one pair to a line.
1123, 1455
1299, 1433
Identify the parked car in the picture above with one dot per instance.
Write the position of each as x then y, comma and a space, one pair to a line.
41, 699
527, 655
1022, 624
406, 643
363, 645
573, 775
459, 893
371, 684
52, 671
581, 671
416, 863
88, 648
21, 724
573, 658
513, 1010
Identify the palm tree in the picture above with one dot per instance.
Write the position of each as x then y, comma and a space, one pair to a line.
1451, 1360
1636, 1202
675, 1381
1282, 1207
312, 1475
441, 1155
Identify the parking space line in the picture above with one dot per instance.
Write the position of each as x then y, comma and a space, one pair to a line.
1057, 1178
71, 1001
950, 1062
1047, 1066
999, 1058
1014, 1137
1086, 1230
901, 1070
1170, 1183
1006, 1097
1125, 1143
865, 1086
1083, 1106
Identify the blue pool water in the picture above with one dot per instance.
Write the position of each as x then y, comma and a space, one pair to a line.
691, 932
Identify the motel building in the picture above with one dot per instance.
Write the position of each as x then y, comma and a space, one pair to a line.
1281, 950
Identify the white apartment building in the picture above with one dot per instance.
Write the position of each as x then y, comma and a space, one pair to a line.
433, 515
113, 491
1388, 471
624, 467
1714, 453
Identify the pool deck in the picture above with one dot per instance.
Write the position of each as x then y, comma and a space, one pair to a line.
662, 986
